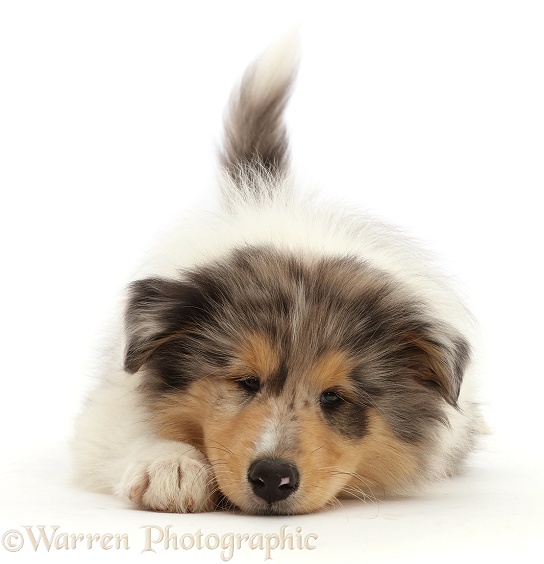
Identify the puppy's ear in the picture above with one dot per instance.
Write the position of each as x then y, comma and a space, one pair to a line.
439, 365
158, 311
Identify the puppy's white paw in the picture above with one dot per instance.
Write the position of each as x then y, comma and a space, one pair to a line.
174, 483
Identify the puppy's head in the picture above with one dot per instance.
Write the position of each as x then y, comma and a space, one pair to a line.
299, 379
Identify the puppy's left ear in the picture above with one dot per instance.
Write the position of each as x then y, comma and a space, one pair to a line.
440, 365
158, 311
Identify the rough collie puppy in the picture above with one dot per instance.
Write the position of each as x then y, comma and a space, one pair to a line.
281, 355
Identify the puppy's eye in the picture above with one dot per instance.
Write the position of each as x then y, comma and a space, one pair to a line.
251, 384
330, 398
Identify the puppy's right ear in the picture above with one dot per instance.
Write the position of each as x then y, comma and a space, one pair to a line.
158, 311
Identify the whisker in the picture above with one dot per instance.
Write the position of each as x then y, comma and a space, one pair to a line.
318, 448
221, 446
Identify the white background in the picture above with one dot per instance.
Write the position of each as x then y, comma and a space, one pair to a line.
430, 114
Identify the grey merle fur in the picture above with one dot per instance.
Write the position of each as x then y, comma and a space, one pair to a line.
405, 363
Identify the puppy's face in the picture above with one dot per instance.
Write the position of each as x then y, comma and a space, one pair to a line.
298, 379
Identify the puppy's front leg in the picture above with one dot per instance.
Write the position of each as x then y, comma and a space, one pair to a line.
168, 476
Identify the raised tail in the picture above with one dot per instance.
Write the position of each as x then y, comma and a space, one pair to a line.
255, 145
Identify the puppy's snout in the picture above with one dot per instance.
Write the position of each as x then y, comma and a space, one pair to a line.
273, 480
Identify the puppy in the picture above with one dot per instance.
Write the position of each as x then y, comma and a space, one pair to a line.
280, 355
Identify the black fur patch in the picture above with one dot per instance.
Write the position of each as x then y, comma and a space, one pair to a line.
348, 418
276, 383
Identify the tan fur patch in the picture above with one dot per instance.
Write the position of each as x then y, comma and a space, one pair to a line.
326, 461
331, 370
256, 356
385, 462
180, 416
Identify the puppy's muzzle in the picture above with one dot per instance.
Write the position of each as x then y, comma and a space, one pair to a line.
273, 480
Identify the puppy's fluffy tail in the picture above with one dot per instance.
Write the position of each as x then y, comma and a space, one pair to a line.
254, 156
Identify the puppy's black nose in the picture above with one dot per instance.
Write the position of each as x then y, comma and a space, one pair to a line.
273, 480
